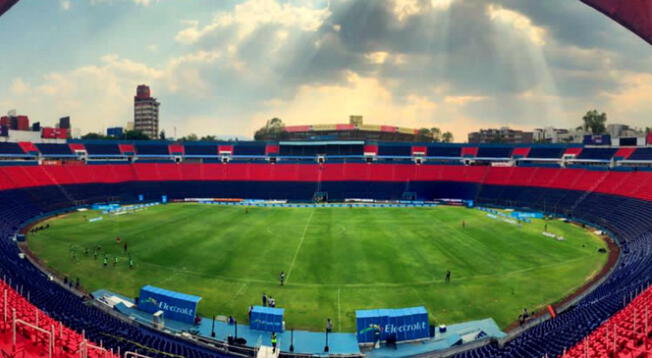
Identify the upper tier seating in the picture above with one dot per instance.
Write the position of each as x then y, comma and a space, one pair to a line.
399, 150
200, 149
110, 149
597, 153
54, 149
642, 154
10, 148
619, 202
546, 152
152, 149
249, 148
444, 151
494, 152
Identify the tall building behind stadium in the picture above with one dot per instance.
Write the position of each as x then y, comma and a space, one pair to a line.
146, 112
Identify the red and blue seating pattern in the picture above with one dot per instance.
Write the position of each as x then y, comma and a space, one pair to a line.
617, 201
627, 334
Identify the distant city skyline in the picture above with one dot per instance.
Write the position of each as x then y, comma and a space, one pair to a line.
225, 67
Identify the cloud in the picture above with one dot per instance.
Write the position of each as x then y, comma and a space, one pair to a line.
456, 64
19, 87
138, 2
65, 4
246, 17
518, 23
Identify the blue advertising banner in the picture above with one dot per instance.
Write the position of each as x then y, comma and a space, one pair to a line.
176, 306
530, 215
405, 324
267, 319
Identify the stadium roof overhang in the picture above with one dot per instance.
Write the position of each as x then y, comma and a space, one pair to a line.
6, 5
636, 15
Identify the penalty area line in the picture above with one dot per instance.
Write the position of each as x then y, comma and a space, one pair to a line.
296, 253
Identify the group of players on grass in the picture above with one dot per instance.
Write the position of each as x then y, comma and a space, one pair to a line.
97, 250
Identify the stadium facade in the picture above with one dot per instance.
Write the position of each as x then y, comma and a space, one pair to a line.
609, 187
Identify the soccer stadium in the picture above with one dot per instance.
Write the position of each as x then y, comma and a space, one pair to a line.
363, 247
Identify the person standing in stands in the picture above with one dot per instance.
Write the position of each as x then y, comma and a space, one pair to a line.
282, 278
264, 300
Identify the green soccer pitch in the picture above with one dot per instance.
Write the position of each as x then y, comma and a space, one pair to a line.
336, 260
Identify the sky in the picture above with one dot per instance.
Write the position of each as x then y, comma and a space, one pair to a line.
224, 67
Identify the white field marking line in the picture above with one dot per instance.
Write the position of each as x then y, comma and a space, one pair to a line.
296, 253
339, 310
239, 291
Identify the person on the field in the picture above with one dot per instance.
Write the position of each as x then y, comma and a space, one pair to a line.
264, 300
115, 261
448, 276
117, 240
106, 261
329, 326
131, 263
463, 224
273, 342
282, 278
125, 246
251, 309
272, 302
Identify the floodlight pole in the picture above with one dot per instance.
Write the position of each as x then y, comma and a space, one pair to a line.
213, 328
292, 339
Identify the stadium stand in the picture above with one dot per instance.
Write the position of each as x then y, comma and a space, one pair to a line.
397, 150
250, 149
200, 150
444, 151
494, 152
546, 152
642, 154
54, 149
626, 334
152, 149
597, 153
617, 201
10, 149
102, 149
